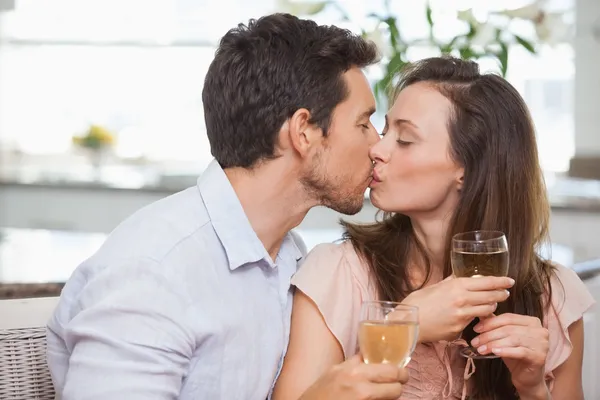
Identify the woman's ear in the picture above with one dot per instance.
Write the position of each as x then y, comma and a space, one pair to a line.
460, 178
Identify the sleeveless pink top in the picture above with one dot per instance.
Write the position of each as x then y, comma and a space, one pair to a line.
334, 277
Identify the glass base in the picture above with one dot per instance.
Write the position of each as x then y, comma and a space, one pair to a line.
471, 352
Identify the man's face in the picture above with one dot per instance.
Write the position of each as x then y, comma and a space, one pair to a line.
341, 169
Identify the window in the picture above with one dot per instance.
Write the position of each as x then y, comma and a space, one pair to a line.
137, 68
545, 80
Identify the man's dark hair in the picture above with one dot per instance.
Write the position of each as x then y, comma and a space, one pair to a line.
264, 72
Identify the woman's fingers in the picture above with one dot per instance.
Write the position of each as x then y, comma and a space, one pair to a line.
498, 321
525, 354
489, 297
507, 331
486, 283
468, 313
514, 341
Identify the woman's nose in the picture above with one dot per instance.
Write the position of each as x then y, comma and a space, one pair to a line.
379, 153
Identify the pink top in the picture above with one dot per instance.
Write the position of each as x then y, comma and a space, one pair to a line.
338, 282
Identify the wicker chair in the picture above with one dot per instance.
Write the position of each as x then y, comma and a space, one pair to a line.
24, 373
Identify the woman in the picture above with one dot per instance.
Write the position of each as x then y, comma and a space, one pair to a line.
458, 153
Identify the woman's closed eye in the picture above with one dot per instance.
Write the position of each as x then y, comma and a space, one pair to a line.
399, 141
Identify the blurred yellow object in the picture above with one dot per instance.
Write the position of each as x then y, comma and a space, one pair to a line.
96, 138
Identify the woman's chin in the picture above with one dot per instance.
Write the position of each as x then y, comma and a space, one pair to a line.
378, 200
385, 203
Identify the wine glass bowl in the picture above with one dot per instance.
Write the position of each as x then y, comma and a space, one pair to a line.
388, 332
479, 253
476, 254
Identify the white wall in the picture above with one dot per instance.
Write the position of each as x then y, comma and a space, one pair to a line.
587, 78
591, 351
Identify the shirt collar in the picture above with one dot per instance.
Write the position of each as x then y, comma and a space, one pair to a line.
242, 245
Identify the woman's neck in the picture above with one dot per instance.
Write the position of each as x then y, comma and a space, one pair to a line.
432, 235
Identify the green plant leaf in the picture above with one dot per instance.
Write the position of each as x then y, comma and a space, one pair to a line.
526, 44
447, 48
395, 65
394, 32
472, 31
466, 53
377, 89
503, 58
384, 86
428, 14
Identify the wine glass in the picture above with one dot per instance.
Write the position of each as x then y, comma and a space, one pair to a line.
476, 254
388, 332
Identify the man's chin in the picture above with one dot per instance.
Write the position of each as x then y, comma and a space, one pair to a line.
348, 208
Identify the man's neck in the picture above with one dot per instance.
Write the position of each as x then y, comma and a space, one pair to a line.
273, 200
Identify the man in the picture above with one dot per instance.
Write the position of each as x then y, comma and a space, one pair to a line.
189, 298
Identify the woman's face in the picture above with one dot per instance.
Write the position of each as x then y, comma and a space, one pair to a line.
414, 172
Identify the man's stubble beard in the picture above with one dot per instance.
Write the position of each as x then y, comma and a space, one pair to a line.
335, 192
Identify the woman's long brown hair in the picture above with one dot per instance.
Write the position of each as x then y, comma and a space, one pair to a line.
493, 138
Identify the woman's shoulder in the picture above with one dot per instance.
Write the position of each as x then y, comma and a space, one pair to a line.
334, 258
568, 292
342, 249
334, 264
569, 300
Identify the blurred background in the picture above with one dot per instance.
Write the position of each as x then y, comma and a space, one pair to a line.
101, 113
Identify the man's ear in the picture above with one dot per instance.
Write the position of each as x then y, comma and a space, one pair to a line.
303, 135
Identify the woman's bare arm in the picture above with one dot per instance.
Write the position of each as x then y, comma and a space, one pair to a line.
312, 350
567, 376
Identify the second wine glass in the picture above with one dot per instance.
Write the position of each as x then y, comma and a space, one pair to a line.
476, 254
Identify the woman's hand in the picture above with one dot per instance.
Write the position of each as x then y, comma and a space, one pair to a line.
522, 343
447, 307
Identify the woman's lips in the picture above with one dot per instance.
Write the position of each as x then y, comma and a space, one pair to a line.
376, 177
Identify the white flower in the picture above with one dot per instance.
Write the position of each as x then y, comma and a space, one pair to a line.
531, 11
376, 36
486, 34
300, 7
551, 28
467, 16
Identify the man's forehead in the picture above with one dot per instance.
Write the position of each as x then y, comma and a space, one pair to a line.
360, 96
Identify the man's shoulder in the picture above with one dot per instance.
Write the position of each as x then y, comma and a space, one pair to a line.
152, 241
153, 231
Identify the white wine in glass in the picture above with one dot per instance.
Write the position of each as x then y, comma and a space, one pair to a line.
475, 254
388, 332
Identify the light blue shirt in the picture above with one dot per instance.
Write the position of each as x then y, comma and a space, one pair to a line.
181, 302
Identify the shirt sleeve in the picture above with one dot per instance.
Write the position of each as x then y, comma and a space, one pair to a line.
570, 300
329, 277
130, 338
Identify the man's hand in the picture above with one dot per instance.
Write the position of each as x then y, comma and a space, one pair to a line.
354, 380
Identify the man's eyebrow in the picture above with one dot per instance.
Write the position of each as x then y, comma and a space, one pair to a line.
367, 113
